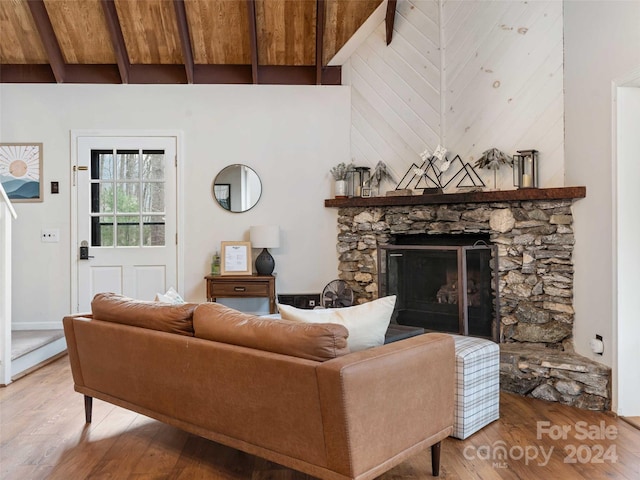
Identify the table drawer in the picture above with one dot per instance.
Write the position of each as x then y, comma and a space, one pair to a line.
245, 289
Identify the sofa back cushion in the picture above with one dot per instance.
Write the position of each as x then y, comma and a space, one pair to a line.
320, 341
111, 307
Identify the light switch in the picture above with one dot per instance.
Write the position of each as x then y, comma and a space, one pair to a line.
50, 235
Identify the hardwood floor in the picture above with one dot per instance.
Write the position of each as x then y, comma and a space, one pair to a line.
43, 435
635, 421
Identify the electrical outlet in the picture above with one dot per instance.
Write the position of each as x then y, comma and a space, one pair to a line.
50, 235
597, 345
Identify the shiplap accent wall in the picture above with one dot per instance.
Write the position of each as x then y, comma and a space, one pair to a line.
395, 89
497, 82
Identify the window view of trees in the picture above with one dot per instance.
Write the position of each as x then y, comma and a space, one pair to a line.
127, 195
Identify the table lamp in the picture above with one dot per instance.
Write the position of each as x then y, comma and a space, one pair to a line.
265, 236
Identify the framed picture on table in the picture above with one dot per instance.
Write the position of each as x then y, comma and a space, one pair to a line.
236, 258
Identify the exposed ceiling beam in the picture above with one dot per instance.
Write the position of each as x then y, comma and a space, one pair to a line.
48, 37
185, 39
319, 40
123, 71
117, 39
390, 19
253, 39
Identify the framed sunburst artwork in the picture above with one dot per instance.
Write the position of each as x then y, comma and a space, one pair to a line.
21, 171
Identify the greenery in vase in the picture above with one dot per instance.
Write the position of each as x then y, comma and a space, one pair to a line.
339, 172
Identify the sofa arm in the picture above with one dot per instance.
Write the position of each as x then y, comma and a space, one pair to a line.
72, 345
381, 405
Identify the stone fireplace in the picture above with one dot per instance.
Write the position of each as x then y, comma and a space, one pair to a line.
533, 237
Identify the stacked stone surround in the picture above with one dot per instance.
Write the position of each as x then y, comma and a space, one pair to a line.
535, 244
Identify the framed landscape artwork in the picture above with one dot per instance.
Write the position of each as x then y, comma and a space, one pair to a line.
21, 171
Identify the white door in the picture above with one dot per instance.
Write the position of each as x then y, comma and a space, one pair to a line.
126, 217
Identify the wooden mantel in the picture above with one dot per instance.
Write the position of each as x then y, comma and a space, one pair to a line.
471, 197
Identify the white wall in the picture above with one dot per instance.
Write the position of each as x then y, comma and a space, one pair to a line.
290, 136
468, 75
602, 43
627, 252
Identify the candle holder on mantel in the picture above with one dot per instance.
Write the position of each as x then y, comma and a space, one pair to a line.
525, 169
360, 182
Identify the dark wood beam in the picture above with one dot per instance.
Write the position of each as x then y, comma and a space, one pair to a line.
185, 39
253, 39
157, 74
96, 74
23, 73
227, 74
172, 74
117, 39
48, 37
319, 40
390, 19
332, 75
268, 74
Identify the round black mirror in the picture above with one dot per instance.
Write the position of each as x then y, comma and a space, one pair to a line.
237, 188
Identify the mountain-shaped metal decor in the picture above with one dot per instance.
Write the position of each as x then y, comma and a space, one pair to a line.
425, 176
466, 175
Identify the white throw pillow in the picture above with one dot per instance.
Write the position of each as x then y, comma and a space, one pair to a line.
367, 323
171, 297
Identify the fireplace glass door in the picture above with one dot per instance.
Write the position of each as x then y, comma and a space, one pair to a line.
442, 288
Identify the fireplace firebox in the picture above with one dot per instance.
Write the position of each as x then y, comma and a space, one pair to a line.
445, 288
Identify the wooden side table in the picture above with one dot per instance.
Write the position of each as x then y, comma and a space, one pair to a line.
242, 286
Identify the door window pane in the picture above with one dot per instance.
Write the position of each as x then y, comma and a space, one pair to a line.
127, 165
128, 230
153, 197
105, 196
128, 197
153, 165
102, 165
153, 231
102, 231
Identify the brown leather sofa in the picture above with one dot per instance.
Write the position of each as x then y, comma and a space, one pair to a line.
285, 391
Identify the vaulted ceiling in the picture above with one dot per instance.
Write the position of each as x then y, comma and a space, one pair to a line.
178, 41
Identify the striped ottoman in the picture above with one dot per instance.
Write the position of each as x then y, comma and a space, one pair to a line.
477, 398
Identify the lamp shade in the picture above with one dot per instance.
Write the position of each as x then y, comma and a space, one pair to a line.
265, 236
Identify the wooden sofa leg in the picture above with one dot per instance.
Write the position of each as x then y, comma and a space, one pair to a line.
435, 459
88, 407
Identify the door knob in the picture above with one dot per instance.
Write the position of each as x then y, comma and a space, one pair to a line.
84, 253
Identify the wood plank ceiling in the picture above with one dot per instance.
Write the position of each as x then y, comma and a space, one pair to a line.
177, 41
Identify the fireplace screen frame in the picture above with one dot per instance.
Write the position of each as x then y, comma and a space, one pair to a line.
461, 251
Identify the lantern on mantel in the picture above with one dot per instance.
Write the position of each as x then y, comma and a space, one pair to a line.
525, 169
361, 182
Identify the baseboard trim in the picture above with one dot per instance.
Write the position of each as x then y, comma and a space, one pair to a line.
36, 325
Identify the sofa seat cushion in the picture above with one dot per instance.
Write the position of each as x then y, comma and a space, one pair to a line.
367, 323
320, 342
111, 307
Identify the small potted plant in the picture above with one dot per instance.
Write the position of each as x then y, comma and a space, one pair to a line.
339, 173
